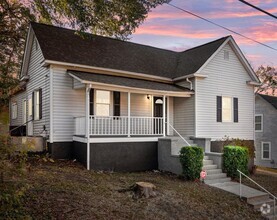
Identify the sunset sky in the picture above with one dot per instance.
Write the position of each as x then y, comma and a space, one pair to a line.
170, 28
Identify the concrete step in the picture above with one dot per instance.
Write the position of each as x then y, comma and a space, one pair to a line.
208, 162
214, 171
216, 176
257, 198
223, 184
257, 205
209, 167
220, 180
206, 158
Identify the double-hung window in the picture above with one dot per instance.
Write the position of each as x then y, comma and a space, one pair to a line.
258, 122
266, 150
37, 104
14, 110
227, 109
103, 103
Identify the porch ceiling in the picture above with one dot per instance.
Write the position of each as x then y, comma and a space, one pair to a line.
134, 85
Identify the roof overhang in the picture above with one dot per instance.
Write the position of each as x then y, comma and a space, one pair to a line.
198, 75
126, 87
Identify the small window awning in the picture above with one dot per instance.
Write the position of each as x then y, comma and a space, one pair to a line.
125, 84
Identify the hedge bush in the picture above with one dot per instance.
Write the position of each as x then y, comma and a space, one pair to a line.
234, 158
191, 159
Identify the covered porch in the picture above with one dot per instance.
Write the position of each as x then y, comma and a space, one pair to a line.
124, 108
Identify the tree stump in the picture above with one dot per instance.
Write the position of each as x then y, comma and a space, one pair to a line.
144, 189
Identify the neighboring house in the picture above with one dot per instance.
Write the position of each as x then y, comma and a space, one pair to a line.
106, 102
266, 130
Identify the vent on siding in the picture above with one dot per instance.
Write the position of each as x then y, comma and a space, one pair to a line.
226, 55
36, 45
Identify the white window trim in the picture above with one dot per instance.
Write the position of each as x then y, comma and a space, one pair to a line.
36, 105
24, 108
262, 148
232, 109
14, 110
262, 122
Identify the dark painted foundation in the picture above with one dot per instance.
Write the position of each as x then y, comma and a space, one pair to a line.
61, 150
120, 157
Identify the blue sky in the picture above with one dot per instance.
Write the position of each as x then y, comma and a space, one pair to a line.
170, 28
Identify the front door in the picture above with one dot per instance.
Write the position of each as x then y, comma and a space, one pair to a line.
158, 114
30, 116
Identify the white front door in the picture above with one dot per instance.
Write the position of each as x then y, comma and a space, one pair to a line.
30, 116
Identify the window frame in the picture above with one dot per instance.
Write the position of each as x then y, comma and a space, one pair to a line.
231, 109
37, 104
14, 110
97, 103
262, 122
269, 150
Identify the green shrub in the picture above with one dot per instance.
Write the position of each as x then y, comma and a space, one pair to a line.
191, 159
234, 158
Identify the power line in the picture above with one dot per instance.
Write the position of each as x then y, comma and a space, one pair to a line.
234, 32
259, 9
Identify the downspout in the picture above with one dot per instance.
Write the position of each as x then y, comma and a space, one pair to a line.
187, 79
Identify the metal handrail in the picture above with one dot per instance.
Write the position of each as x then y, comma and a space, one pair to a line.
178, 134
269, 193
20, 125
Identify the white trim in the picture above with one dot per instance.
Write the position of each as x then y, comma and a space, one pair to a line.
107, 70
24, 110
190, 76
164, 115
168, 115
269, 150
51, 135
262, 122
115, 139
88, 87
129, 113
195, 108
112, 87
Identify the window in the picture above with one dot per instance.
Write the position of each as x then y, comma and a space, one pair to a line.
266, 150
102, 103
37, 104
227, 109
258, 123
116, 103
24, 112
14, 110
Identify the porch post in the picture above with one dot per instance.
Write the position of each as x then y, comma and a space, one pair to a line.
129, 114
87, 125
164, 115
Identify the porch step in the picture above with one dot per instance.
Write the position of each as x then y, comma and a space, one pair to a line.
208, 162
216, 176
206, 158
225, 184
214, 171
257, 198
220, 180
209, 167
257, 205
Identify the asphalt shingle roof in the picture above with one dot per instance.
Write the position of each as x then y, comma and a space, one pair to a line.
64, 45
271, 99
128, 82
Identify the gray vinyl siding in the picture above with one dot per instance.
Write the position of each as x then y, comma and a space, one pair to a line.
268, 134
184, 113
18, 98
67, 104
39, 78
225, 78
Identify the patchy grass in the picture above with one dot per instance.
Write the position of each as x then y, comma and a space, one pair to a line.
65, 190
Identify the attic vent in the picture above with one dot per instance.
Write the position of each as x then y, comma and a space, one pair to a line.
226, 55
36, 45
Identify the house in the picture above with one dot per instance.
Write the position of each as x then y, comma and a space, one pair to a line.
265, 130
108, 102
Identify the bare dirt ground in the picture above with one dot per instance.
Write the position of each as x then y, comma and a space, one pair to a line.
65, 190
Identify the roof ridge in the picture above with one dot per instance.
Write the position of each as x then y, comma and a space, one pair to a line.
206, 43
106, 37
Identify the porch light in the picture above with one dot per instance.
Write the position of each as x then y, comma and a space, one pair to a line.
148, 97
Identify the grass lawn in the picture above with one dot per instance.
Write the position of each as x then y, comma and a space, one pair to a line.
65, 190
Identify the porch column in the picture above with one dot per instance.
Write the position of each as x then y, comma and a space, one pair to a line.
129, 114
88, 87
164, 115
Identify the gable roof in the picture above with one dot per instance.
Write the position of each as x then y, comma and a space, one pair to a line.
270, 99
64, 45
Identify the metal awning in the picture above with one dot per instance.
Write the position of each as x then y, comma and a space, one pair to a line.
126, 84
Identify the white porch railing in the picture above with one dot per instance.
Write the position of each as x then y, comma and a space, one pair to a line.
118, 125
